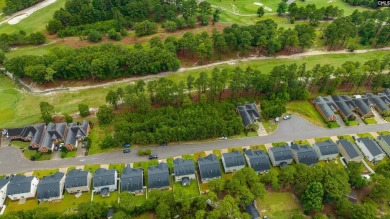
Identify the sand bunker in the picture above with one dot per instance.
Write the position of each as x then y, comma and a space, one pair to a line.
27, 12
261, 4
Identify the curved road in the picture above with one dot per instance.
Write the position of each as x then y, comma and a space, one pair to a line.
12, 160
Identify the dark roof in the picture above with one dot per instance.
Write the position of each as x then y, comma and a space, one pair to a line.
342, 105
209, 166
76, 132
233, 159
258, 160
386, 138
306, 154
19, 184
104, 177
384, 98
33, 132
105, 191
248, 113
282, 153
371, 145
54, 131
378, 102
387, 92
183, 167
49, 186
325, 108
252, 211
3, 182
14, 132
132, 179
158, 176
359, 102
76, 178
327, 147
350, 148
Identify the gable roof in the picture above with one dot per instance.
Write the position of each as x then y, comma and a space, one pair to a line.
19, 184
54, 131
325, 108
371, 145
158, 176
343, 106
33, 132
327, 147
384, 98
281, 153
76, 132
359, 102
233, 159
209, 166
378, 102
248, 113
104, 177
306, 154
49, 186
387, 92
76, 178
3, 182
349, 148
385, 138
183, 167
252, 211
132, 179
258, 160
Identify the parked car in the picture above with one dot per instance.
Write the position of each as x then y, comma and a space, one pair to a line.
83, 144
164, 144
126, 151
223, 138
153, 156
56, 148
287, 117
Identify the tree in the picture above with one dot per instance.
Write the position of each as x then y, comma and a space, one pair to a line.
216, 185
381, 191
216, 15
112, 98
83, 109
120, 215
105, 115
2, 57
145, 28
68, 118
94, 36
363, 211
91, 210
282, 7
108, 142
47, 111
260, 11
170, 26
354, 175
312, 197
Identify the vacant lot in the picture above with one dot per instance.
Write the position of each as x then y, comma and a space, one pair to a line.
281, 205
307, 111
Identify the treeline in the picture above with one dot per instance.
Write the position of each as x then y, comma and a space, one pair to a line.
372, 28
81, 17
96, 62
20, 39
12, 6
366, 3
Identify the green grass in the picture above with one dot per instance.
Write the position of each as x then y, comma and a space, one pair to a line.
20, 144
41, 173
92, 167
119, 167
198, 155
191, 190
35, 22
217, 153
235, 149
306, 110
70, 168
277, 144
70, 154
2, 5
68, 203
352, 123
333, 125
108, 200
259, 147
384, 133
270, 126
97, 134
302, 142
188, 157
28, 153
369, 121
348, 137
243, 135
32, 50
322, 139
281, 205
365, 135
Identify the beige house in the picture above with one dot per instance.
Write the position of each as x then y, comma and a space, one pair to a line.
78, 181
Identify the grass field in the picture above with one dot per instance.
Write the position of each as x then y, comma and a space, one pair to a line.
2, 5
191, 190
277, 144
41, 173
369, 121
384, 133
270, 126
365, 135
307, 111
281, 205
92, 167
35, 22
322, 139
302, 142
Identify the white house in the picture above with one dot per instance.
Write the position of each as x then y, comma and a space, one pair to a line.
78, 181
51, 187
370, 149
105, 181
22, 187
3, 191
384, 142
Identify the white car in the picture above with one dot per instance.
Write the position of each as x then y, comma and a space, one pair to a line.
287, 117
223, 138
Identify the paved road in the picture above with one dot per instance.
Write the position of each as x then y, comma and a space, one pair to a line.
12, 161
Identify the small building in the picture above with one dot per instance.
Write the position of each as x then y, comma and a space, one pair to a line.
378, 103
105, 181
32, 133
132, 180
249, 114
258, 160
370, 149
326, 150
3, 191
184, 171
233, 161
54, 133
345, 106
304, 154
76, 133
280, 156
349, 150
384, 142
51, 187
22, 187
78, 181
158, 177
252, 211
326, 108
362, 108
209, 168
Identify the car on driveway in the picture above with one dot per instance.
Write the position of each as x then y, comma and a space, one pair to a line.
126, 151
287, 117
153, 156
56, 148
223, 138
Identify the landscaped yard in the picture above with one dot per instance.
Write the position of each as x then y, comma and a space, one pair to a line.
281, 205
198, 155
191, 190
322, 139
365, 135
92, 167
235, 149
352, 123
348, 137
119, 167
70, 154
270, 126
384, 133
259, 147
277, 144
217, 153
369, 121
302, 142
20, 144
41, 173
108, 200
306, 110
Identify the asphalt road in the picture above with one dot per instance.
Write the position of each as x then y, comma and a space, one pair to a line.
13, 161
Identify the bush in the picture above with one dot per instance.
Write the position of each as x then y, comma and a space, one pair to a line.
94, 36
145, 28
140, 152
108, 142
333, 125
170, 26
63, 154
37, 155
68, 118
84, 110
298, 216
88, 140
112, 34
124, 32
148, 152
105, 115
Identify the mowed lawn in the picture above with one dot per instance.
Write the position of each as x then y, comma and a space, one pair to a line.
35, 22
281, 205
307, 111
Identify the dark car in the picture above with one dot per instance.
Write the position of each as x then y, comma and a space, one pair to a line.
153, 156
164, 144
126, 151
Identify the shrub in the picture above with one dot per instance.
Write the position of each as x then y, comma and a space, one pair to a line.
140, 152
94, 36
170, 26
68, 118
124, 32
145, 28
37, 155
112, 34
84, 110
108, 142
148, 152
88, 140
105, 115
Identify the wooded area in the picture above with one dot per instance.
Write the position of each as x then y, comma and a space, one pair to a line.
367, 3
13, 6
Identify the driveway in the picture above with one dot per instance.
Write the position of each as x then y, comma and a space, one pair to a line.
359, 119
378, 117
295, 128
340, 121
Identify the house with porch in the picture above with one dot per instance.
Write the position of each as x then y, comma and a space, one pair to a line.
184, 171
233, 161
209, 168
362, 108
345, 106
326, 150
78, 181
280, 156
22, 187
76, 132
326, 107
249, 114
378, 103
132, 180
349, 150
257, 160
32, 133
384, 142
54, 133
158, 177
3, 191
370, 149
51, 187
304, 154
105, 181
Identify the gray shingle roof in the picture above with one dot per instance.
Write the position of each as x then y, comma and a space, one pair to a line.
233, 159
258, 160
387, 92
384, 98
209, 167
252, 211
386, 138
49, 186
343, 106
183, 167
3, 182
306, 154
327, 147
350, 148
19, 184
104, 177
378, 102
371, 145
54, 131
325, 108
76, 178
248, 113
362, 105
282, 153
132, 179
158, 176
76, 132
33, 132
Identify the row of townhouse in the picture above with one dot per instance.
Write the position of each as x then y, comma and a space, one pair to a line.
43, 137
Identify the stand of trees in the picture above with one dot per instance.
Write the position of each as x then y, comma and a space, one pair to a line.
12, 6
366, 3
311, 13
20, 39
